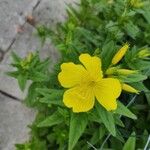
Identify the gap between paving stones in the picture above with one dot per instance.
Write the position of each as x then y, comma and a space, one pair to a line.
1, 55
14, 120
10, 96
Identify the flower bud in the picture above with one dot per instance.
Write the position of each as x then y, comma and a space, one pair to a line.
118, 56
115, 70
129, 88
136, 3
111, 71
126, 71
144, 53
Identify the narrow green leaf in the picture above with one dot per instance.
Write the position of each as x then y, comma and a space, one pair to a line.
123, 110
108, 51
43, 65
51, 96
31, 97
130, 144
118, 121
38, 76
146, 14
133, 78
107, 119
132, 29
15, 57
22, 79
54, 119
141, 87
13, 73
78, 124
119, 136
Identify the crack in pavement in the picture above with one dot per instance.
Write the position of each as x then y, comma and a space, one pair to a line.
1, 55
7, 50
37, 4
10, 96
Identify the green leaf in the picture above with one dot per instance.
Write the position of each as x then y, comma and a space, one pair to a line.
15, 57
136, 63
132, 29
141, 87
146, 14
123, 110
130, 144
107, 119
31, 98
51, 96
119, 136
38, 76
43, 65
78, 124
108, 51
118, 121
86, 35
22, 79
54, 119
133, 78
13, 74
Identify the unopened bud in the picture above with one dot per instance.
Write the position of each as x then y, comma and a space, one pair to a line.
119, 55
129, 88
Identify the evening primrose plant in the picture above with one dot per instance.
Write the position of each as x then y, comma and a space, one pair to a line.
97, 94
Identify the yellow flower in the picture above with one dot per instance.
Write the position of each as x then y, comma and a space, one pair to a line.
86, 82
118, 56
129, 88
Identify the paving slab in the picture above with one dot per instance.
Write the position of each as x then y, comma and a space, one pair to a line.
14, 118
12, 15
50, 12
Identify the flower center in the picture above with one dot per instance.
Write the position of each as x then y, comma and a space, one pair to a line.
92, 83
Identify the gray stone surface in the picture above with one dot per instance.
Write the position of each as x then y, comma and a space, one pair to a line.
50, 12
14, 118
12, 14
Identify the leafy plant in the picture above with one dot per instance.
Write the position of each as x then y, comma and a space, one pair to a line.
102, 29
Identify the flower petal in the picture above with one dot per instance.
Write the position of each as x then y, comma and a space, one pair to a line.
80, 99
92, 64
107, 91
71, 74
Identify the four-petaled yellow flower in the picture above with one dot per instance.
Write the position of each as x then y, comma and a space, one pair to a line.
86, 82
